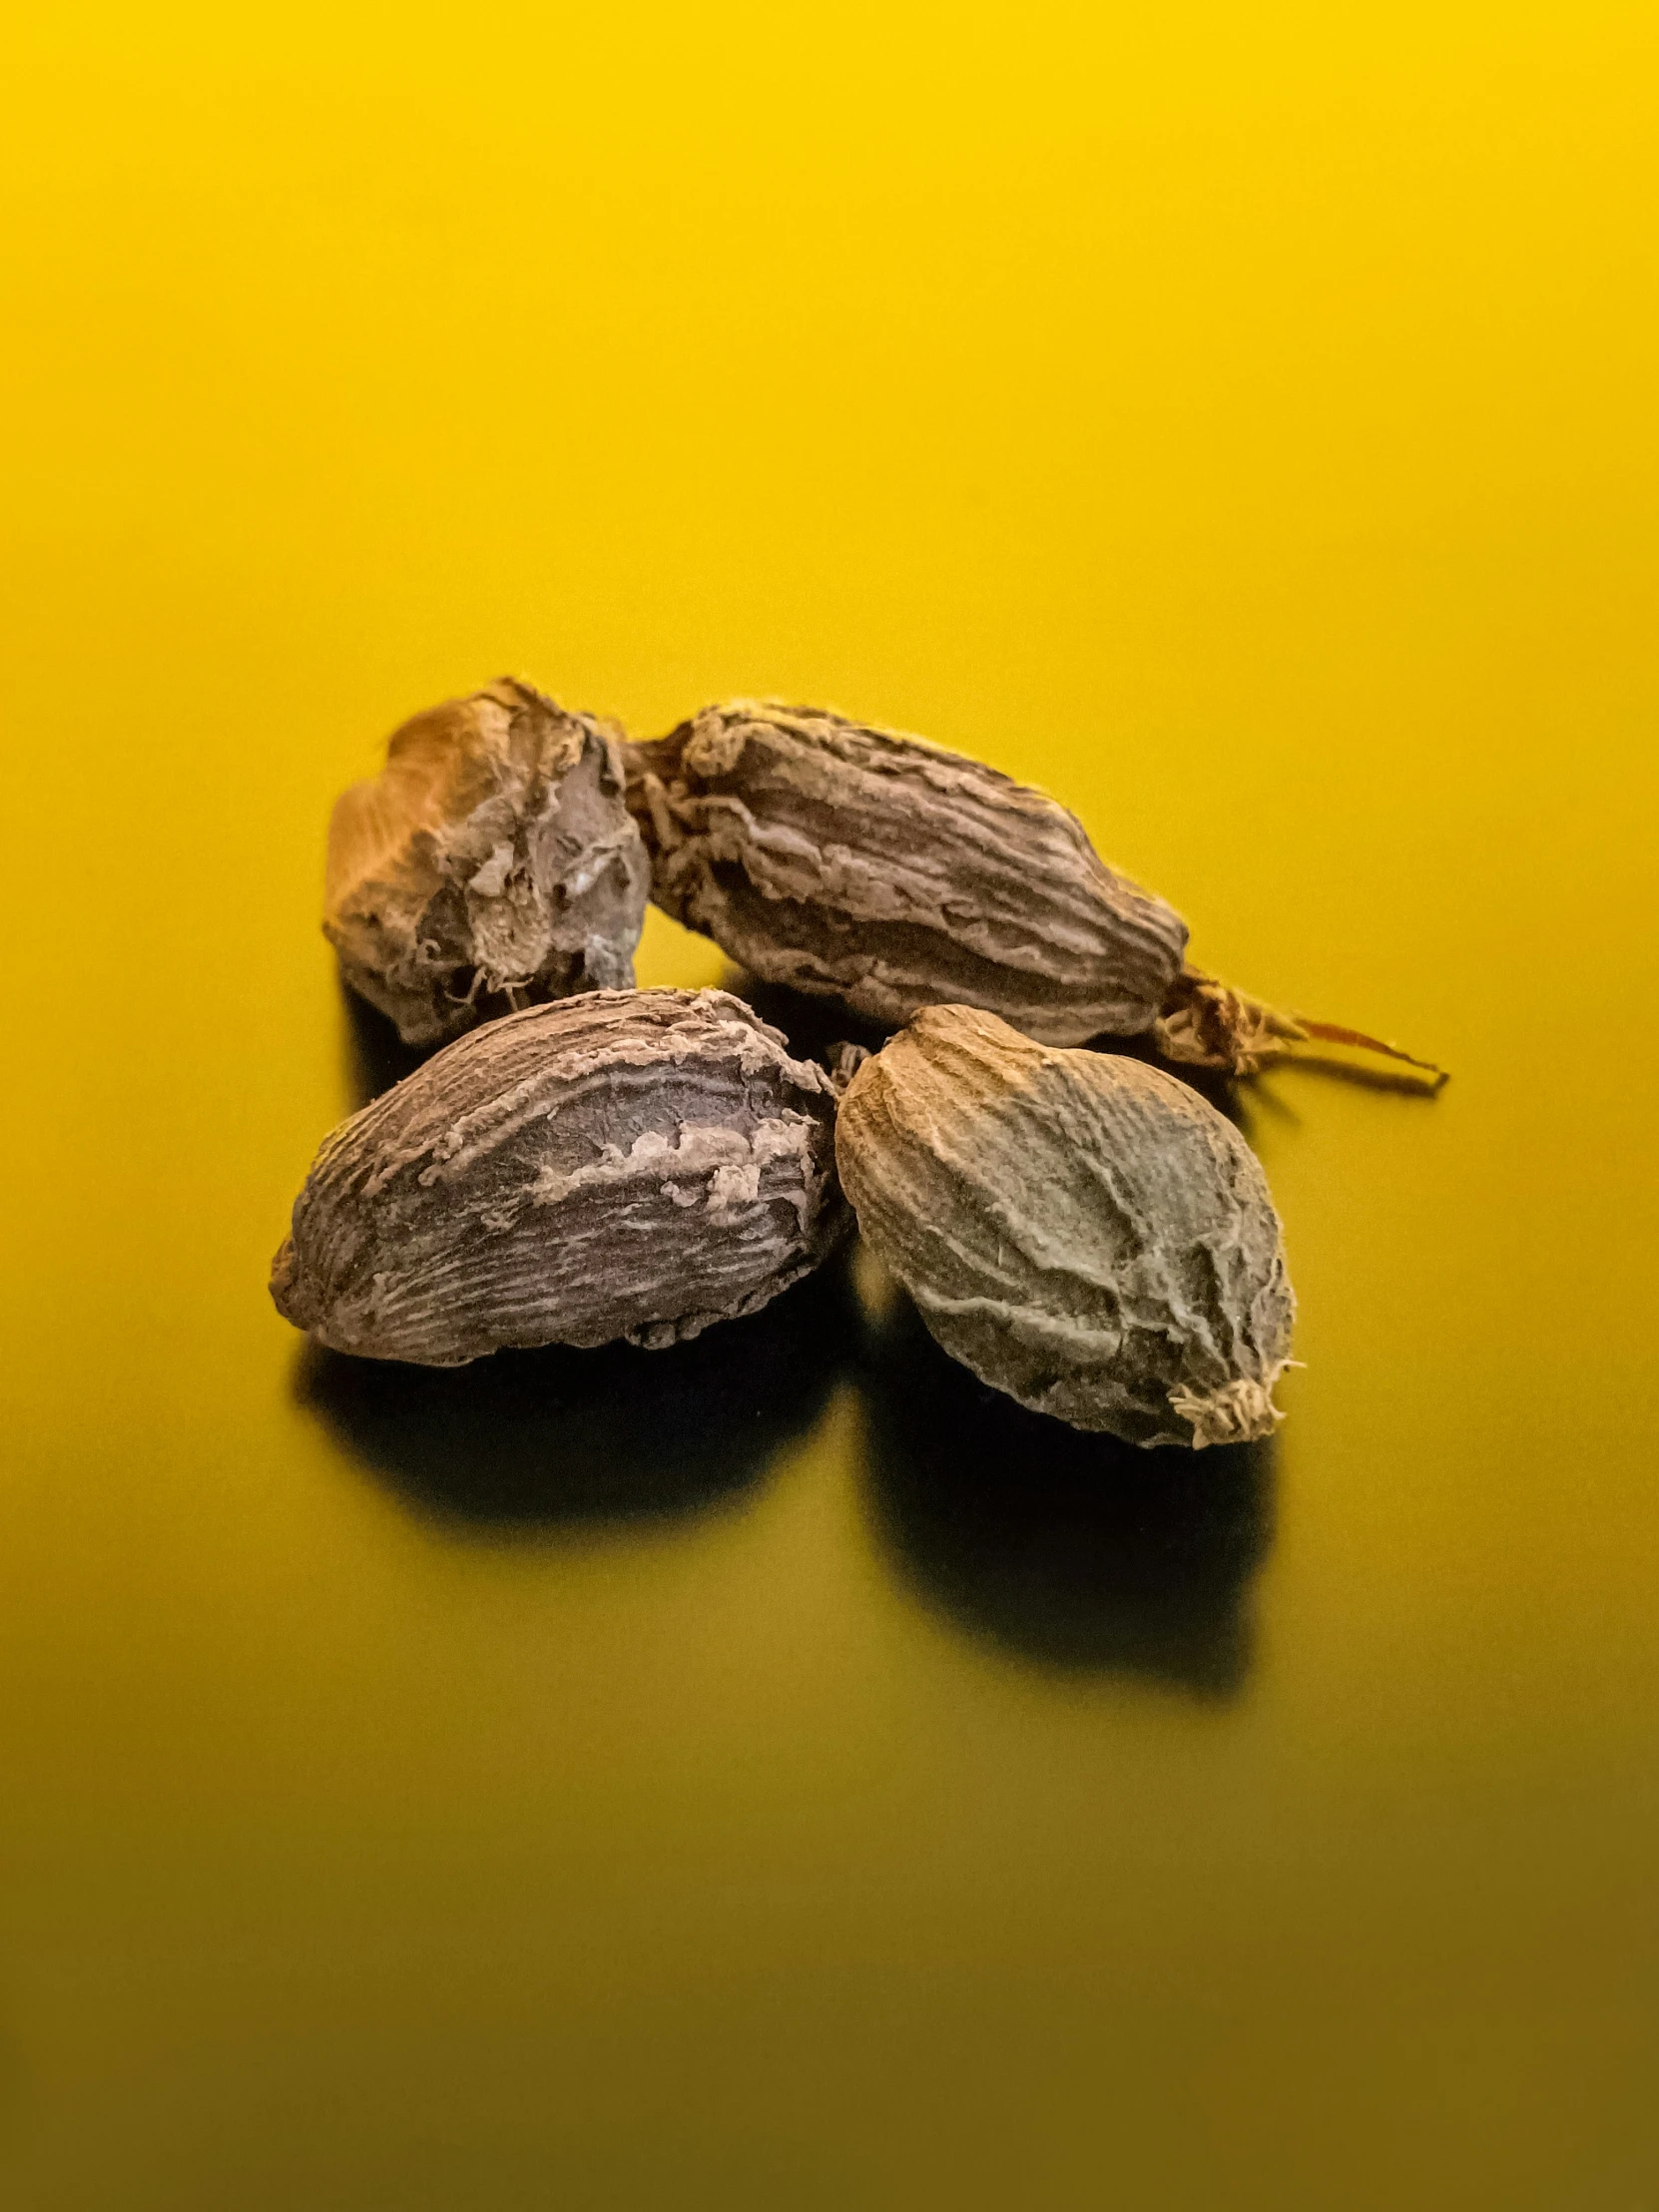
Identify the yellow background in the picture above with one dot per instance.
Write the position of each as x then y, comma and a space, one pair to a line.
1239, 419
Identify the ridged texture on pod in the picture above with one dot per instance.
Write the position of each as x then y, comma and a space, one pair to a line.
491, 865
1083, 1232
879, 871
631, 1164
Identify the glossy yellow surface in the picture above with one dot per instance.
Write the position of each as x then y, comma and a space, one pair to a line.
1240, 419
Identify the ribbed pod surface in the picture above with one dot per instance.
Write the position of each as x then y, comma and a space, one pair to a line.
491, 863
1082, 1231
875, 869
633, 1164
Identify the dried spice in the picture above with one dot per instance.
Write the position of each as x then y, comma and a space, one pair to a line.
623, 1164
878, 870
1206, 1023
858, 865
492, 864
1082, 1231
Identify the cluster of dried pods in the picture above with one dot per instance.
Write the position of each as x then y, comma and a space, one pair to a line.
586, 1161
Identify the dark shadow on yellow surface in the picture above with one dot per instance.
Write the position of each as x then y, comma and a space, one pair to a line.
814, 1026
1222, 1091
531, 1442
375, 1055
1070, 1550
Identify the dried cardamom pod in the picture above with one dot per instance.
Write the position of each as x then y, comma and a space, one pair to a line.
632, 1164
492, 864
878, 870
1082, 1231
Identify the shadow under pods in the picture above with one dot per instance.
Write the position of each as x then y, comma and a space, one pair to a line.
531, 1443
1069, 1551
375, 1056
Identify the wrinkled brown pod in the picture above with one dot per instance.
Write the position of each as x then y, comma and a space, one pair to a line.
623, 1164
858, 865
878, 870
491, 865
1083, 1231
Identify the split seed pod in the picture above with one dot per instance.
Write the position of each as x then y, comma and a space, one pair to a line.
858, 865
1083, 1232
633, 1164
880, 870
491, 865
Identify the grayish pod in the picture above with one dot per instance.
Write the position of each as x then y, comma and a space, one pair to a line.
1082, 1231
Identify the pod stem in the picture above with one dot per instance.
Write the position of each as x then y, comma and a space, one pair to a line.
1206, 1023
842, 1063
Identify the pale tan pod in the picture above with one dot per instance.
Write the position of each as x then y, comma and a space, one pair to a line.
879, 871
622, 1164
1084, 1232
492, 864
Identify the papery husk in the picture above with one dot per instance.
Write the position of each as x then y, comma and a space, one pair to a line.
491, 864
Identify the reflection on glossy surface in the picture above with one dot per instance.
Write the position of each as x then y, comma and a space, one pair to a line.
1070, 1550
532, 1442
